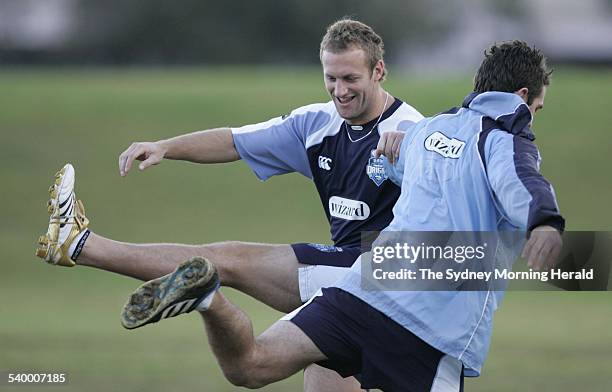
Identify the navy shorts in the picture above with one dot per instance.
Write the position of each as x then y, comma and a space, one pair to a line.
319, 254
359, 340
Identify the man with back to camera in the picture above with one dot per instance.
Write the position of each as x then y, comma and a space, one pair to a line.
402, 340
330, 143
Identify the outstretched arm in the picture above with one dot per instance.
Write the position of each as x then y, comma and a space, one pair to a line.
210, 146
526, 197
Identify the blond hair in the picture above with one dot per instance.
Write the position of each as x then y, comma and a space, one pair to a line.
346, 34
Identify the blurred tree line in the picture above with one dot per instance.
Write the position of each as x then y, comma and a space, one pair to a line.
209, 32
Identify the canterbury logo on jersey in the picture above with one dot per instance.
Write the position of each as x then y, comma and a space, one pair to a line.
178, 308
441, 144
348, 209
324, 162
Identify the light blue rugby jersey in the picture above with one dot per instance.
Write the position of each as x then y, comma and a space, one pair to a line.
313, 140
474, 168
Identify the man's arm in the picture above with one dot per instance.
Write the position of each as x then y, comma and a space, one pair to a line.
273, 147
210, 146
525, 196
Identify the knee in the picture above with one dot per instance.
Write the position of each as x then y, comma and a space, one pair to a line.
228, 257
246, 375
245, 381
235, 377
226, 248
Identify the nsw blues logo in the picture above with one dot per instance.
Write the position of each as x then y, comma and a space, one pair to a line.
376, 170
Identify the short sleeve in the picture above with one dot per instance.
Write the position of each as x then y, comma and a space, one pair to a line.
278, 146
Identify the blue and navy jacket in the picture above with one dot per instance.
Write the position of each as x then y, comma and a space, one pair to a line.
473, 168
313, 140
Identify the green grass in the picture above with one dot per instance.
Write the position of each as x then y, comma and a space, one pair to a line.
67, 319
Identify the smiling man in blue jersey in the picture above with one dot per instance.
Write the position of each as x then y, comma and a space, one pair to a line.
331, 143
403, 340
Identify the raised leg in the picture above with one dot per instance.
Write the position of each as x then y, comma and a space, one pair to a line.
266, 272
282, 350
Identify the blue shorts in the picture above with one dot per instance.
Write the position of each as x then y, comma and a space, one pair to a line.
319, 254
359, 340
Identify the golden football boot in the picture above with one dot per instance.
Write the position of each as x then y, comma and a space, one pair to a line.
67, 220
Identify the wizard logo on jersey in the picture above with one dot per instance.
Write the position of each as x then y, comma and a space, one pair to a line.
376, 170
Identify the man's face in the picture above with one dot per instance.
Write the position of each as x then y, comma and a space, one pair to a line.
537, 103
352, 84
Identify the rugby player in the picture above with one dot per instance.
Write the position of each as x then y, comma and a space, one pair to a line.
331, 143
402, 340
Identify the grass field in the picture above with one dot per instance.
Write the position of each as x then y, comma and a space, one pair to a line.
67, 319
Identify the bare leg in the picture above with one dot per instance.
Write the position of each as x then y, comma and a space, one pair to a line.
282, 350
320, 379
263, 271
140, 261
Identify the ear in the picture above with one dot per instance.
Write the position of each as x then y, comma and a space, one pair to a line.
379, 70
523, 93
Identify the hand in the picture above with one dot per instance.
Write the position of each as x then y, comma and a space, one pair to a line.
147, 152
389, 145
543, 248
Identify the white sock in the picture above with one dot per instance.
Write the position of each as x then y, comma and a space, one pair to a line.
205, 304
75, 243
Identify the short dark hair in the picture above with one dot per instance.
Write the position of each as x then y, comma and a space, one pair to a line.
347, 33
510, 66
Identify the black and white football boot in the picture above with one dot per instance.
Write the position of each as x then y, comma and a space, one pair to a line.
181, 291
